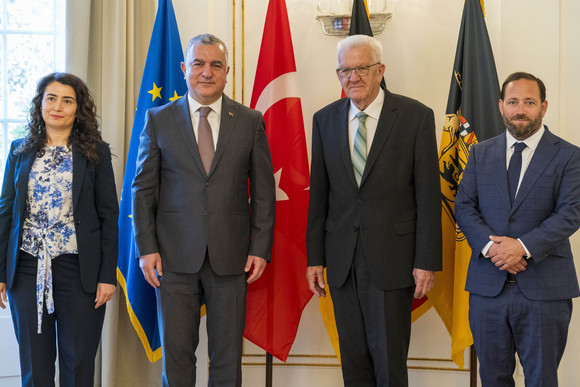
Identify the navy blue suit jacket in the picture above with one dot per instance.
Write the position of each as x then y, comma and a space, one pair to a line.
95, 211
545, 213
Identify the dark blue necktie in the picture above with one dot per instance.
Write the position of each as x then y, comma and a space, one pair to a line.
515, 169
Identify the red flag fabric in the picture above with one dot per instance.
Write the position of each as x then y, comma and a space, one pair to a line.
275, 302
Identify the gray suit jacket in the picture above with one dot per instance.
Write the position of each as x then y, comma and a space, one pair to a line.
180, 211
397, 208
544, 214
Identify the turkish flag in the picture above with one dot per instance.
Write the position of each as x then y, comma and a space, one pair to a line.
275, 301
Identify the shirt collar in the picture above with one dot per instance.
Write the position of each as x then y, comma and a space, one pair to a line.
373, 110
531, 142
194, 105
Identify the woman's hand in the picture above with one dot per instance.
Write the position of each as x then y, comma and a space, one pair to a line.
104, 293
3, 295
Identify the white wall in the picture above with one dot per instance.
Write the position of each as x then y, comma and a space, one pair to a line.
538, 36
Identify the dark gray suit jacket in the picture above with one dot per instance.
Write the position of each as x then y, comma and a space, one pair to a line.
545, 213
397, 208
180, 211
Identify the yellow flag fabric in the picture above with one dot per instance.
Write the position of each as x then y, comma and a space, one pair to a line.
327, 312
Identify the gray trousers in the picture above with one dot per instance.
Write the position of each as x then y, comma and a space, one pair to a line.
179, 299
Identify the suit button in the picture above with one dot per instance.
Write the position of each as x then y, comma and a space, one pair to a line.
355, 228
204, 213
77, 222
359, 201
207, 184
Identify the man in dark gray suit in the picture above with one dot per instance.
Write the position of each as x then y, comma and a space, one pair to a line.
375, 215
197, 236
518, 204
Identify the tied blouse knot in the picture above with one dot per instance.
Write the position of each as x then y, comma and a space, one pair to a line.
48, 230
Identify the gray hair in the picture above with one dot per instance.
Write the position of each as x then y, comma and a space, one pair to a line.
207, 40
354, 41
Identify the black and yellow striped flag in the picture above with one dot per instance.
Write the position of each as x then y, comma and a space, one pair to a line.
472, 115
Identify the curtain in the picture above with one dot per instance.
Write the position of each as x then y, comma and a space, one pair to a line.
106, 45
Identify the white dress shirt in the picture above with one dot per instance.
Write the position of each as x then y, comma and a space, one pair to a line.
527, 154
531, 145
213, 117
373, 111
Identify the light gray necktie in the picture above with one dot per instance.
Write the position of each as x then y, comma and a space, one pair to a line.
205, 138
359, 152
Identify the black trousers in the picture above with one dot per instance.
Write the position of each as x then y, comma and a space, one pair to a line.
179, 299
75, 326
374, 329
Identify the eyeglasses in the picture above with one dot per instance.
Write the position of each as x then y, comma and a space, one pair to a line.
361, 71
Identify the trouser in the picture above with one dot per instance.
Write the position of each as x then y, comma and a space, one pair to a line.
179, 299
374, 328
509, 323
75, 326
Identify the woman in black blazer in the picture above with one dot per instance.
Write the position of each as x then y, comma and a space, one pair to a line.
58, 234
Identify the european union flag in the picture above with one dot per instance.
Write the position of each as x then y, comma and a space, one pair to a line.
162, 82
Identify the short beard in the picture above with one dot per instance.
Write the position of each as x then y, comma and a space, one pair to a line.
521, 133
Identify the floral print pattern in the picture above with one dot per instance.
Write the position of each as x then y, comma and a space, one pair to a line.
48, 229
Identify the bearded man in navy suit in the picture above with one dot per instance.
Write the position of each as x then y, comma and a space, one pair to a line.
518, 203
375, 215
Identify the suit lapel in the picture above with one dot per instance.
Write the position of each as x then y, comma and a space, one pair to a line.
227, 124
341, 125
384, 128
79, 169
499, 170
543, 154
185, 128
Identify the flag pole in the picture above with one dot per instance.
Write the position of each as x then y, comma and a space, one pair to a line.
269, 367
472, 367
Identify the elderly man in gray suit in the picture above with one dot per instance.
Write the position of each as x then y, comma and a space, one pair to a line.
197, 236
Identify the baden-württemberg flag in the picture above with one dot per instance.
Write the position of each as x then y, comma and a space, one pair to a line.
472, 115
162, 82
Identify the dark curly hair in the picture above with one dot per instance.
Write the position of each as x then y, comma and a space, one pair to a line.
85, 135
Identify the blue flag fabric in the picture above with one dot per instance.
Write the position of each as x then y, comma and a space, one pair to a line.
162, 82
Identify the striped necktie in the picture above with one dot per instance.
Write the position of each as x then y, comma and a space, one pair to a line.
359, 153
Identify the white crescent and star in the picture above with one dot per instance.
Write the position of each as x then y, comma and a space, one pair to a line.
285, 86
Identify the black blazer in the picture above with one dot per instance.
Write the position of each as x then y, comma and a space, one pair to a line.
396, 210
95, 211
